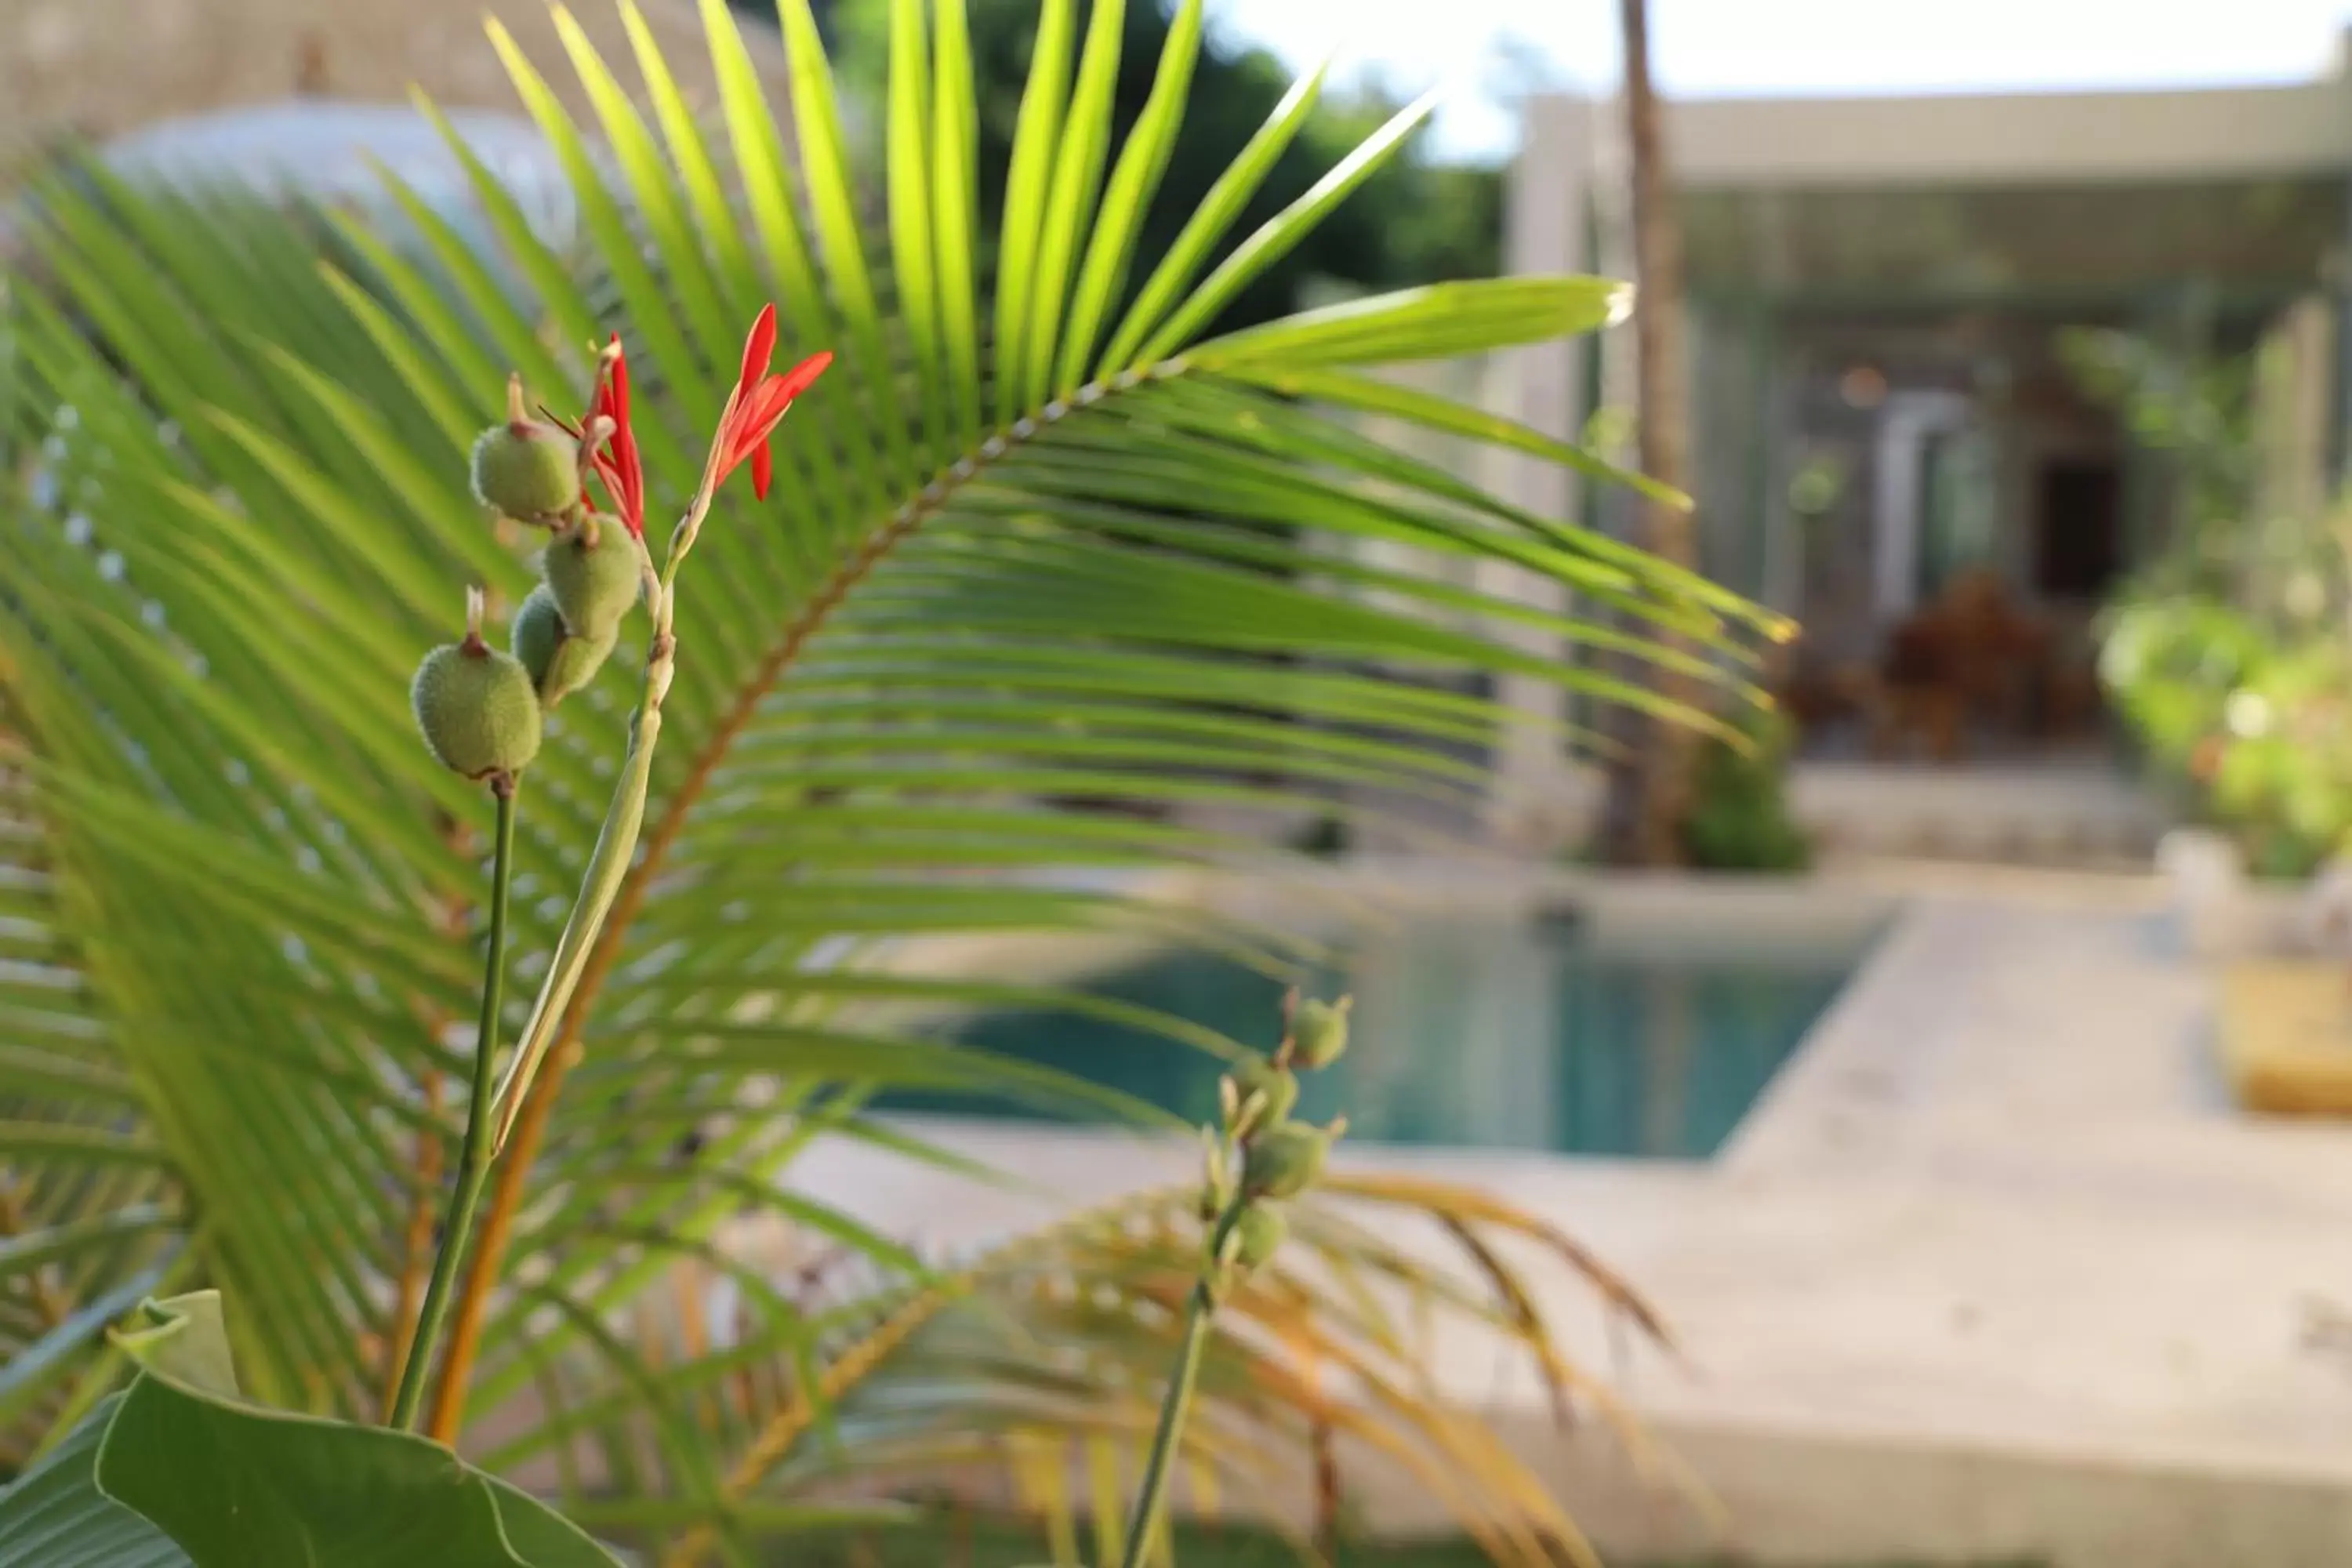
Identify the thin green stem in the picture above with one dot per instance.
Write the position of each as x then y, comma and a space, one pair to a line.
1177, 1403
616, 844
474, 1158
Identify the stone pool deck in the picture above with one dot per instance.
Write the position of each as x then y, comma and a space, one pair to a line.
1991, 1271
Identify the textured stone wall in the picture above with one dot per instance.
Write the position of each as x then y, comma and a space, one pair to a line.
99, 67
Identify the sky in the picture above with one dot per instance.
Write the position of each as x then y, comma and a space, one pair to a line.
1714, 47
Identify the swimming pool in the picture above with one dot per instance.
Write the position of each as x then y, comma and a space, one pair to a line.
1557, 1035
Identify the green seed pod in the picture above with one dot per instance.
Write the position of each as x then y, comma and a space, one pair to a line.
527, 470
537, 632
476, 708
1259, 1232
1318, 1033
594, 573
1259, 1077
560, 664
1283, 1161
576, 664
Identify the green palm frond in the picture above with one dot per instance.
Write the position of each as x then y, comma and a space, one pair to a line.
1068, 542
1043, 1354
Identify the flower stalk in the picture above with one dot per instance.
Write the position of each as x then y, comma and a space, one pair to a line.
1176, 1403
1258, 1159
754, 408
475, 1154
586, 606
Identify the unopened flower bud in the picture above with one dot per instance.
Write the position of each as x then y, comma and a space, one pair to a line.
594, 574
1257, 1234
1318, 1032
526, 467
1283, 1161
476, 706
1276, 1090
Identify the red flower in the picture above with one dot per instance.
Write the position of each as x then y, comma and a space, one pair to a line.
617, 463
757, 406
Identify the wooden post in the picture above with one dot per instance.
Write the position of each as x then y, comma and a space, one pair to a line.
1661, 773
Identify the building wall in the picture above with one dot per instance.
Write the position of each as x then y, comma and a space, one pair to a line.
1735, 444
2000, 139
99, 67
2051, 138
2130, 149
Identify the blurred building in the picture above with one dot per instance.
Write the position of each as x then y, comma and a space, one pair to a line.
312, 100
1888, 442
98, 68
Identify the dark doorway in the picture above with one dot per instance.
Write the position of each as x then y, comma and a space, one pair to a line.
2078, 527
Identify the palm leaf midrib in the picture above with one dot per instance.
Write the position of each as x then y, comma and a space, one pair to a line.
927, 500
662, 834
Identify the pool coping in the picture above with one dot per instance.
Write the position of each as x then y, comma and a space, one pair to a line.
1987, 1236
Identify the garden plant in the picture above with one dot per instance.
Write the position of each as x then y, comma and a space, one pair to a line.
365, 1101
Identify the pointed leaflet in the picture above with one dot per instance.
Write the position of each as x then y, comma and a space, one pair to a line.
1207, 226
550, 277
767, 186
1028, 183
1347, 390
909, 160
955, 196
1275, 239
676, 239
53, 1516
1070, 208
825, 171
1132, 183
714, 219
1437, 321
653, 315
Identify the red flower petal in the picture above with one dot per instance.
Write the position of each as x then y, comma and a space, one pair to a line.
620, 383
758, 349
765, 406
729, 447
758, 402
747, 430
618, 464
798, 379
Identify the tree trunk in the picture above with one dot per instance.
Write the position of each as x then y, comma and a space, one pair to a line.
1660, 769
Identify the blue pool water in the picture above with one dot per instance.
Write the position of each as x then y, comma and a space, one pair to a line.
1513, 1037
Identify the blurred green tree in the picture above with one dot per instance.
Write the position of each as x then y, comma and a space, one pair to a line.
1418, 220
